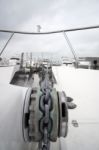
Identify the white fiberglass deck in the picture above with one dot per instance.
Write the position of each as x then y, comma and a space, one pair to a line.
80, 84
83, 86
6, 74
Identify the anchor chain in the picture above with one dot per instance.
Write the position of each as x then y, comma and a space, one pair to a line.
46, 106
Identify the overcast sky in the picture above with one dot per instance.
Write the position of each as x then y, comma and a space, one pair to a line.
25, 15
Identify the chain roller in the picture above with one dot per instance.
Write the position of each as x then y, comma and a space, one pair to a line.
46, 112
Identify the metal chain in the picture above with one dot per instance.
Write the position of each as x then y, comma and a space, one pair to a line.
46, 107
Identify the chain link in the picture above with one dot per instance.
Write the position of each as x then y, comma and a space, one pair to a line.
45, 103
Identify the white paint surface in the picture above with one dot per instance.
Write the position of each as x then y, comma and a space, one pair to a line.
83, 86
6, 74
